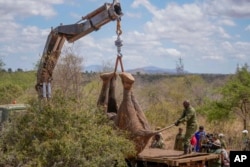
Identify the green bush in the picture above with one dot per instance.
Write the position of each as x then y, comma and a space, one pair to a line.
16, 86
63, 134
9, 92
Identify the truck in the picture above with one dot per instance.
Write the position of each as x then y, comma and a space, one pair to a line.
153, 157
8, 110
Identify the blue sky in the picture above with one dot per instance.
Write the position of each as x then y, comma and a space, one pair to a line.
211, 36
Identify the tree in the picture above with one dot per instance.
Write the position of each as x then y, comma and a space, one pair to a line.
108, 67
9, 70
235, 98
237, 93
180, 66
1, 65
67, 75
19, 70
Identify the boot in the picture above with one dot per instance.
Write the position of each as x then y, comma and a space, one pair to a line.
190, 149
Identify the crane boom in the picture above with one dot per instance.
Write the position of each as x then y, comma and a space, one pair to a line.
57, 36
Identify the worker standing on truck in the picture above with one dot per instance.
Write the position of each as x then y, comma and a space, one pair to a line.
188, 116
179, 138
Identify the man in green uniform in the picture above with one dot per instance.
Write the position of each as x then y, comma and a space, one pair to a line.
178, 144
188, 116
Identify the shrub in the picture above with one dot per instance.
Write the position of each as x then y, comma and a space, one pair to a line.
9, 92
63, 134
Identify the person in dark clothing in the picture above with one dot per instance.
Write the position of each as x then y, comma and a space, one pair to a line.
188, 116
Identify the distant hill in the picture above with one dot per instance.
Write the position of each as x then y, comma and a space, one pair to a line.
152, 70
141, 70
93, 68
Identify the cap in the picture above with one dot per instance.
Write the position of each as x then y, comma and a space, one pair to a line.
217, 143
221, 135
245, 131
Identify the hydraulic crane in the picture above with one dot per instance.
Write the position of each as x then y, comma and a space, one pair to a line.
129, 116
57, 36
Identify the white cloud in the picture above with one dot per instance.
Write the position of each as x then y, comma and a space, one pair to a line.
243, 45
133, 15
27, 40
247, 28
229, 8
195, 29
223, 33
27, 8
183, 24
9, 30
19, 41
227, 22
144, 3
173, 52
212, 57
240, 56
227, 46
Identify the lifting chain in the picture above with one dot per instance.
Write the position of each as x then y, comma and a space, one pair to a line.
118, 44
118, 27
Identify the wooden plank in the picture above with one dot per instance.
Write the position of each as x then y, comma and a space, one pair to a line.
176, 159
198, 158
192, 161
174, 156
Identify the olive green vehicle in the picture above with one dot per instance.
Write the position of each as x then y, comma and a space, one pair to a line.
8, 110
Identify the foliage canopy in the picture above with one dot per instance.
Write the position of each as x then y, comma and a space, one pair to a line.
234, 98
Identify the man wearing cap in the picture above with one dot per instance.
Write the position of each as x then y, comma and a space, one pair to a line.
245, 141
222, 141
188, 116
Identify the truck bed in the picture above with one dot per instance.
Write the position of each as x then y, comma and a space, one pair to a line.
150, 157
